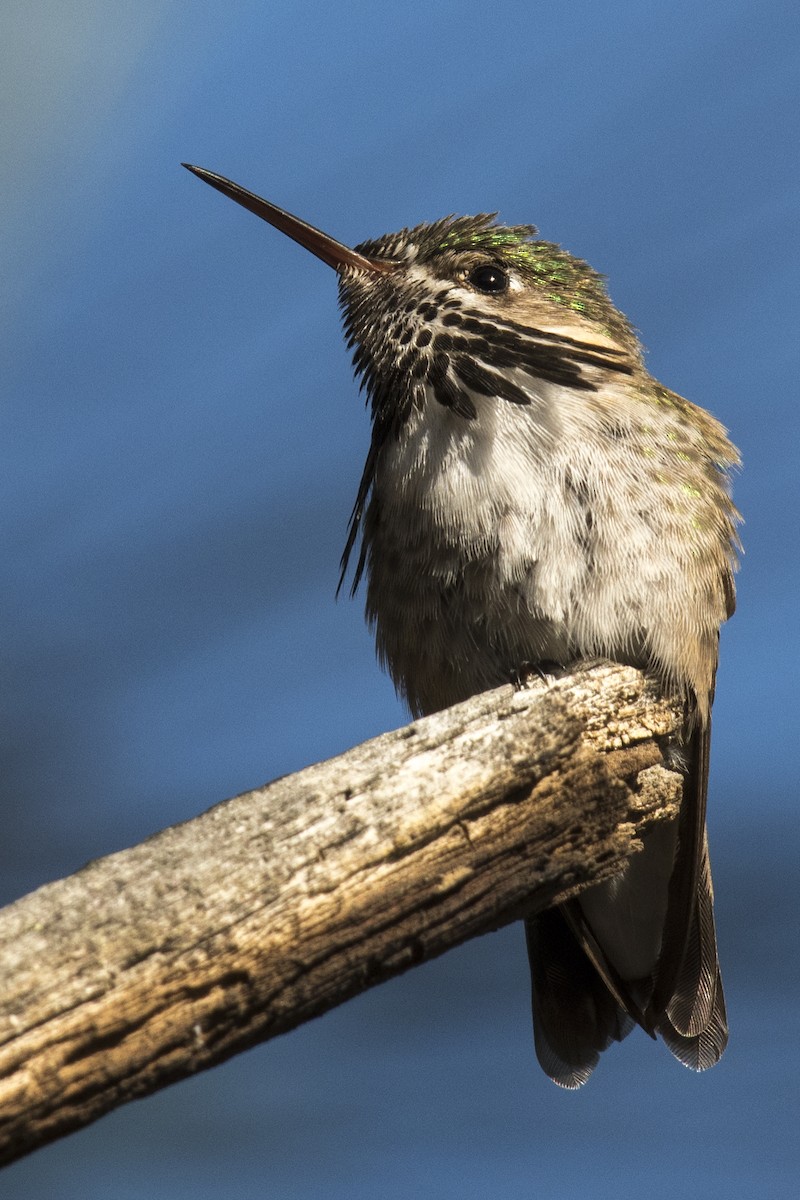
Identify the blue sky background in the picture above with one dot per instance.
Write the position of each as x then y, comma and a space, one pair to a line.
182, 440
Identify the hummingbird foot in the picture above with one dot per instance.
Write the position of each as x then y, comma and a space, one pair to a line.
532, 672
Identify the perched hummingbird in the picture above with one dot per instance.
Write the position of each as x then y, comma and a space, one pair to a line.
532, 496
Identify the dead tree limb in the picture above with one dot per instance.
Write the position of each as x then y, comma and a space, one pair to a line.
273, 907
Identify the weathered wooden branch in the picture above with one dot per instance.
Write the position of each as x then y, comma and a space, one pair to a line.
167, 958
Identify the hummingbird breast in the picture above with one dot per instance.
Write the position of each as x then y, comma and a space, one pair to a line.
545, 533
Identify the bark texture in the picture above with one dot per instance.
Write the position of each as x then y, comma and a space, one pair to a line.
273, 907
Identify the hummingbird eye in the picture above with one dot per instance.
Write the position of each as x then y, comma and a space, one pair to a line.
488, 278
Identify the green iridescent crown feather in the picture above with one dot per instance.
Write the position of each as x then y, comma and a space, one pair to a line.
565, 280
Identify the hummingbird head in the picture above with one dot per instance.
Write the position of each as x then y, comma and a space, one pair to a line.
457, 313
415, 298
463, 307
469, 308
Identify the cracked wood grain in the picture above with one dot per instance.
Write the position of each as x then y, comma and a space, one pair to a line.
164, 959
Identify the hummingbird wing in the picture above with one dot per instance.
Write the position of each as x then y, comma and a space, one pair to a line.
637, 949
694, 1023
687, 1005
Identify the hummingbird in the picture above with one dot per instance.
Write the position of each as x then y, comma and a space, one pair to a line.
533, 499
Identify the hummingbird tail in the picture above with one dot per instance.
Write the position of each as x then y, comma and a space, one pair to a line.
575, 1016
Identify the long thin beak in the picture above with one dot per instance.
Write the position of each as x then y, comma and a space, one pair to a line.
334, 253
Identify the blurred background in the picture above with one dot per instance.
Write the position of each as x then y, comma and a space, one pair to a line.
182, 440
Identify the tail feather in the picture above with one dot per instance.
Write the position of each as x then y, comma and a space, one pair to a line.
575, 1016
